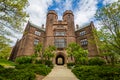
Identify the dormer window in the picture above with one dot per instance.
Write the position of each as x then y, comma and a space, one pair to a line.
37, 33
82, 33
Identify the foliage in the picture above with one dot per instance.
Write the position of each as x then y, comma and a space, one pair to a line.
96, 61
5, 52
46, 62
15, 74
36, 68
38, 50
79, 54
4, 47
49, 52
13, 13
109, 17
23, 59
97, 72
70, 65
23, 72
4, 63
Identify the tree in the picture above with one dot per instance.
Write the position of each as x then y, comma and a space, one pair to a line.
4, 47
5, 52
38, 50
12, 15
49, 52
109, 17
79, 54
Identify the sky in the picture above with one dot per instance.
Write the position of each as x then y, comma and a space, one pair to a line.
83, 10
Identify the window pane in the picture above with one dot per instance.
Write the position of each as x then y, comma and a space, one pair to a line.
82, 33
37, 33
36, 41
60, 43
59, 33
84, 42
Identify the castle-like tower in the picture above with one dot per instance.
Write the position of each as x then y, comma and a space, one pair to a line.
59, 33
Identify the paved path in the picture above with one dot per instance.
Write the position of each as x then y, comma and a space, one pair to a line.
60, 73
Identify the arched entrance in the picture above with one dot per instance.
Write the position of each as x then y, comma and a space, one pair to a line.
60, 60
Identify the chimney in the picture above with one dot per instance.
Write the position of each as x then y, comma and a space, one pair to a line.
42, 26
77, 26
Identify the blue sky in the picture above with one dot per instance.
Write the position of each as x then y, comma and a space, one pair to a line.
83, 10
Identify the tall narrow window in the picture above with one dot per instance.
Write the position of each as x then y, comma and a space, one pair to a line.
36, 41
60, 43
37, 33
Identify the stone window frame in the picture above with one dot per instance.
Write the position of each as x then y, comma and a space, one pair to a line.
36, 41
82, 33
84, 42
59, 33
38, 33
60, 43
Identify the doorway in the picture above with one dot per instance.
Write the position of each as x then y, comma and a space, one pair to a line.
60, 60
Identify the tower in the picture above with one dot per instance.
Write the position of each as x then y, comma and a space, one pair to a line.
51, 18
69, 18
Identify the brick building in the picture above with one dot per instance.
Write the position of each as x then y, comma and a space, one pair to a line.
57, 32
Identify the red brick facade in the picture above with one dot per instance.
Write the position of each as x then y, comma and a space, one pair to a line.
57, 32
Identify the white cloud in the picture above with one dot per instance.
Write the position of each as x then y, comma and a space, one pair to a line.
38, 10
109, 1
58, 1
68, 5
85, 11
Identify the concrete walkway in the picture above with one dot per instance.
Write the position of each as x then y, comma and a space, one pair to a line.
60, 73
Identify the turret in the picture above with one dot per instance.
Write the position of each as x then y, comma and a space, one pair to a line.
51, 17
69, 18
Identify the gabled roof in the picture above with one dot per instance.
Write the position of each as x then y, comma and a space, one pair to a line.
36, 26
86, 25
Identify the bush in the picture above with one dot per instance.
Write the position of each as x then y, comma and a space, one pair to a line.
96, 61
97, 72
15, 74
70, 65
23, 60
38, 61
48, 63
36, 68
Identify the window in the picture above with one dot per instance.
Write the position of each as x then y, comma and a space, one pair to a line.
36, 41
60, 43
82, 33
59, 33
84, 42
37, 33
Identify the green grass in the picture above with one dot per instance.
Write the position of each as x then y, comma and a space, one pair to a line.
6, 63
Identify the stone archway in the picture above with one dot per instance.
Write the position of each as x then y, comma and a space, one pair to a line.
60, 59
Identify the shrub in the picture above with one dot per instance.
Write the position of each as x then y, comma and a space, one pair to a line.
70, 65
96, 61
48, 63
97, 72
1, 66
15, 74
36, 68
38, 61
24, 59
